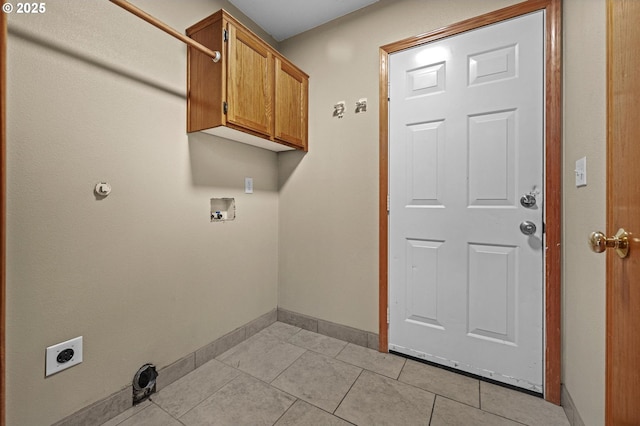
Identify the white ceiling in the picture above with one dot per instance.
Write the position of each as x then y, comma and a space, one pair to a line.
286, 18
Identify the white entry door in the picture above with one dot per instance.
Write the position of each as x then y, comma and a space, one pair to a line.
466, 151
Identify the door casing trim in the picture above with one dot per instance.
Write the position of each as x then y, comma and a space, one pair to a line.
553, 171
3, 212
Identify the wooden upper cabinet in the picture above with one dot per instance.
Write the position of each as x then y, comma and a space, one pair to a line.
253, 94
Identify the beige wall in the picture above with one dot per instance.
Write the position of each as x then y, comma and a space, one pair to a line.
142, 275
584, 208
329, 198
95, 94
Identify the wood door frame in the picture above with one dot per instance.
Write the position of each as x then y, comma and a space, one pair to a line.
3, 203
553, 171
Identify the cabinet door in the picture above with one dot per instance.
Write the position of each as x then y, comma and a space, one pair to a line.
249, 83
292, 87
205, 79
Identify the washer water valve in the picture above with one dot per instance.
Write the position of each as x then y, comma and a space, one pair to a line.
103, 189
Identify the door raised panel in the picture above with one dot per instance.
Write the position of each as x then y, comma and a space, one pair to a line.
426, 80
425, 151
422, 286
492, 159
493, 65
492, 292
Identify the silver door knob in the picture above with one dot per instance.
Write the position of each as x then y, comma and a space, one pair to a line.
528, 228
528, 201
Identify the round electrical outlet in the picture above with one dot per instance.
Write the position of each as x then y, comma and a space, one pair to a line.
65, 356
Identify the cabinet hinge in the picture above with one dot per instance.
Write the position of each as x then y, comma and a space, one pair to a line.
225, 35
225, 107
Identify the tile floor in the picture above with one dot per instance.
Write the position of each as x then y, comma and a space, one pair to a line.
285, 376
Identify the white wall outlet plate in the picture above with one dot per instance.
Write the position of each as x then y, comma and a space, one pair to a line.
63, 355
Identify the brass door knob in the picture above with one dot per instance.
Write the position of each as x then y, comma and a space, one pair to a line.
599, 242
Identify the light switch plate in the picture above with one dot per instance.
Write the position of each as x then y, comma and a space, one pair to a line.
581, 172
248, 185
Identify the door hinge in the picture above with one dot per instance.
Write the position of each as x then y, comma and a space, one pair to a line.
225, 107
225, 35
388, 203
388, 316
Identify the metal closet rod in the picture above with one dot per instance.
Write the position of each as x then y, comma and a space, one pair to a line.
213, 54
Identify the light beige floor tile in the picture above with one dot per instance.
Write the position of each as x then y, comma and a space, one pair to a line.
520, 407
129, 413
243, 401
262, 356
281, 330
304, 414
324, 345
189, 391
378, 400
442, 382
318, 379
151, 416
447, 412
382, 363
